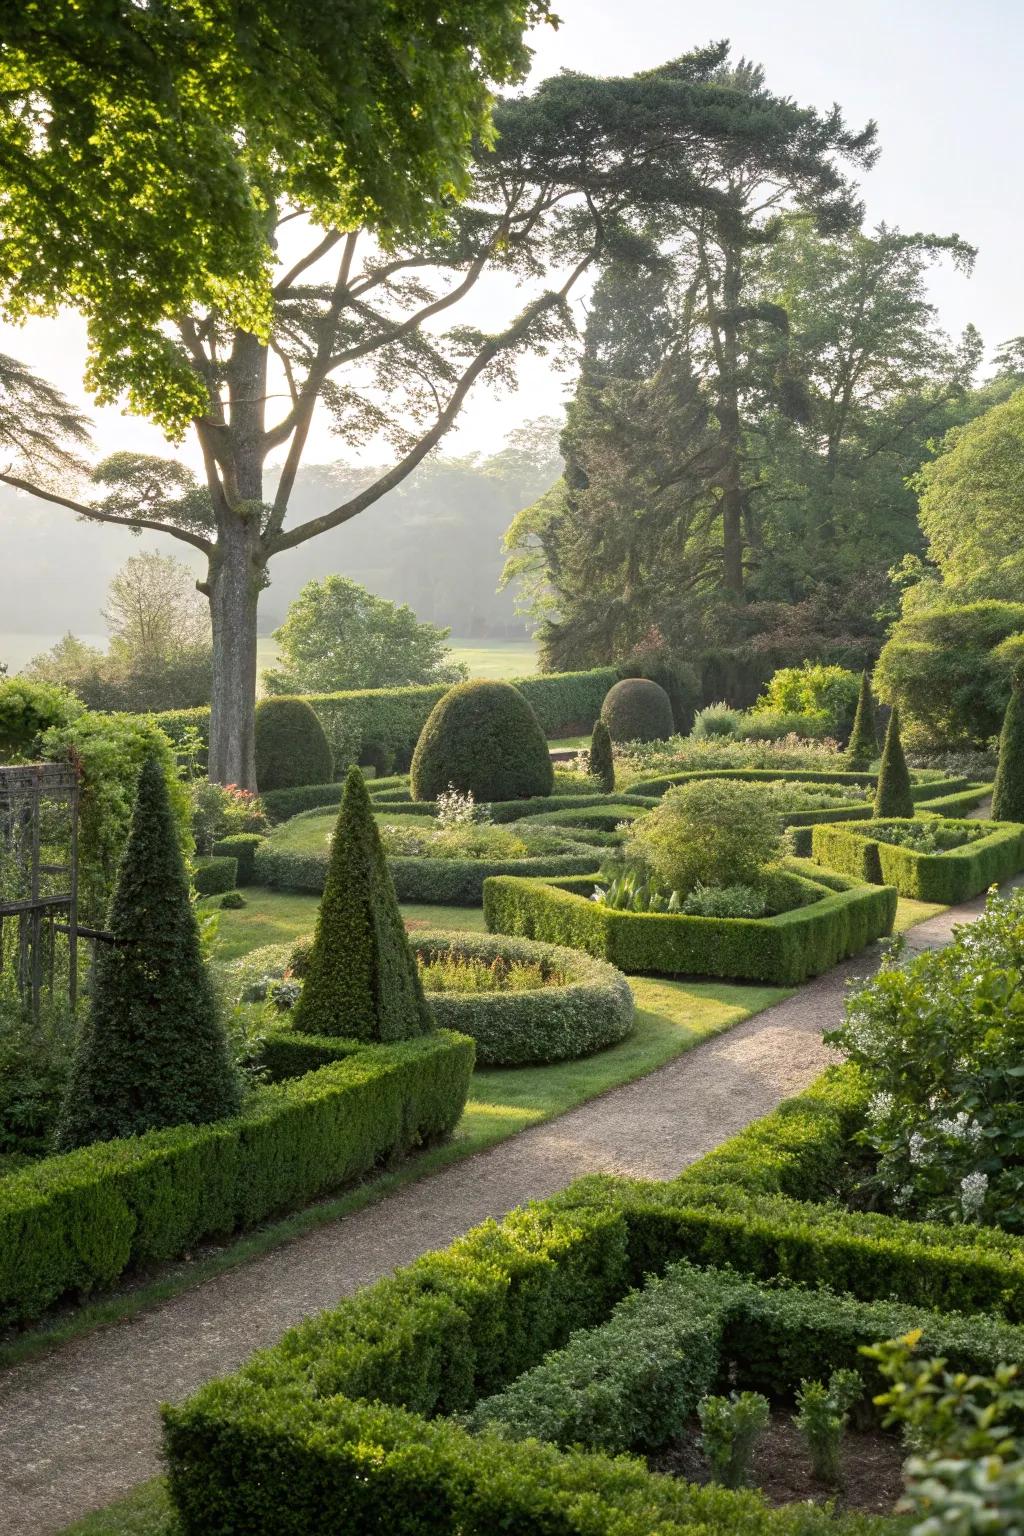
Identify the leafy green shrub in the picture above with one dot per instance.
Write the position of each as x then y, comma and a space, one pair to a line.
77, 1221
35, 1055
215, 874
1008, 790
242, 848
823, 1413
711, 832
282, 804
730, 1428
813, 689
232, 901
28, 710
361, 980
224, 810
893, 796
716, 722
638, 710
775, 725
863, 744
929, 835
631, 892
482, 738
291, 747
602, 761
153, 1051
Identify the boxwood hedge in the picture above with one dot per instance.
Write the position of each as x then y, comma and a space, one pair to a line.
823, 925
589, 1006
77, 1221
215, 874
949, 877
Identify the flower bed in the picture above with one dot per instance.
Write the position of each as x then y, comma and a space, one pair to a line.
582, 1006
990, 852
825, 922
79, 1220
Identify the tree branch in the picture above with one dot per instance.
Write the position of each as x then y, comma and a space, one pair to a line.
305, 262
95, 515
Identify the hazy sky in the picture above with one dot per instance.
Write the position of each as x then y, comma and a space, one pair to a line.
941, 77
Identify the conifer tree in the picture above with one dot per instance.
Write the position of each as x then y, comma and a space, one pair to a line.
863, 744
362, 980
1008, 793
602, 762
153, 1051
893, 797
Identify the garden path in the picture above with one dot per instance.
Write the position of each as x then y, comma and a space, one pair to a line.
79, 1427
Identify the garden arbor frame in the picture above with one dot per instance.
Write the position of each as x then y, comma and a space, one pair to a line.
36, 893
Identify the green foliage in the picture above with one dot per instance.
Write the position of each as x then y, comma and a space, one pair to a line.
220, 811
893, 796
29, 709
602, 761
938, 1043
949, 669
823, 925
583, 1006
282, 804
983, 854
153, 1051
638, 710
716, 721
863, 745
1008, 790
482, 738
242, 848
823, 1413
337, 635
34, 1058
730, 1429
76, 1222
711, 832
215, 873
361, 979
813, 689
291, 747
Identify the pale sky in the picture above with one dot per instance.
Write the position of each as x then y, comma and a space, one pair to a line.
941, 77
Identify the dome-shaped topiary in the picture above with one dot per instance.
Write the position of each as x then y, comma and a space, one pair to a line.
485, 738
291, 747
638, 710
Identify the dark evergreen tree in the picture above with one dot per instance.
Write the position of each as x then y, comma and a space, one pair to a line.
362, 980
863, 744
893, 797
153, 1051
1008, 793
602, 762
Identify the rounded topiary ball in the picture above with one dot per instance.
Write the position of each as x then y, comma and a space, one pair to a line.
638, 710
291, 748
485, 738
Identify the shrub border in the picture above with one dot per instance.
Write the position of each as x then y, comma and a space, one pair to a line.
948, 878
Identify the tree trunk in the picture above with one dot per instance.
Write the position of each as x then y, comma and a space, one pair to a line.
234, 596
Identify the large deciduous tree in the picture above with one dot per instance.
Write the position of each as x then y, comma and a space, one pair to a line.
355, 319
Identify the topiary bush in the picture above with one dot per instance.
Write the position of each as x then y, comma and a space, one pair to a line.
483, 738
863, 744
638, 710
893, 796
713, 832
602, 762
1008, 791
153, 1051
291, 747
361, 978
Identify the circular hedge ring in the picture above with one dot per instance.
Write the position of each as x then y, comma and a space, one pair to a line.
589, 1005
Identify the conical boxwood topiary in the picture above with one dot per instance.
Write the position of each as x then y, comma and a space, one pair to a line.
153, 1051
638, 710
602, 762
362, 980
863, 744
1008, 792
893, 797
291, 745
482, 737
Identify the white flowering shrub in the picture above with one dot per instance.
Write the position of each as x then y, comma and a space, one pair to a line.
455, 809
941, 1044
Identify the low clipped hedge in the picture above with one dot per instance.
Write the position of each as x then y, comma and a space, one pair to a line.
927, 790
949, 877
824, 924
591, 818
282, 804
76, 1222
589, 1008
242, 848
215, 874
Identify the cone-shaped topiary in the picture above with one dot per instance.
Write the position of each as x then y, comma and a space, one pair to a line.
291, 746
1008, 793
153, 1051
637, 710
485, 738
863, 745
893, 797
602, 763
362, 980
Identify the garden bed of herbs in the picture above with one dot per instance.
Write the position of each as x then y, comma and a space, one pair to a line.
929, 859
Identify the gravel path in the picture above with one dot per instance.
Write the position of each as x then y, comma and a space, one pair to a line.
79, 1427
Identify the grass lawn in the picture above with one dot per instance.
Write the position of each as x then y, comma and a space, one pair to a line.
274, 917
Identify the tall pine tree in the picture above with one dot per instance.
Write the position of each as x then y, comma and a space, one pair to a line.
153, 1051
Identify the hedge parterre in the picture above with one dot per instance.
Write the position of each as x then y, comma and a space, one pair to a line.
953, 876
825, 922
